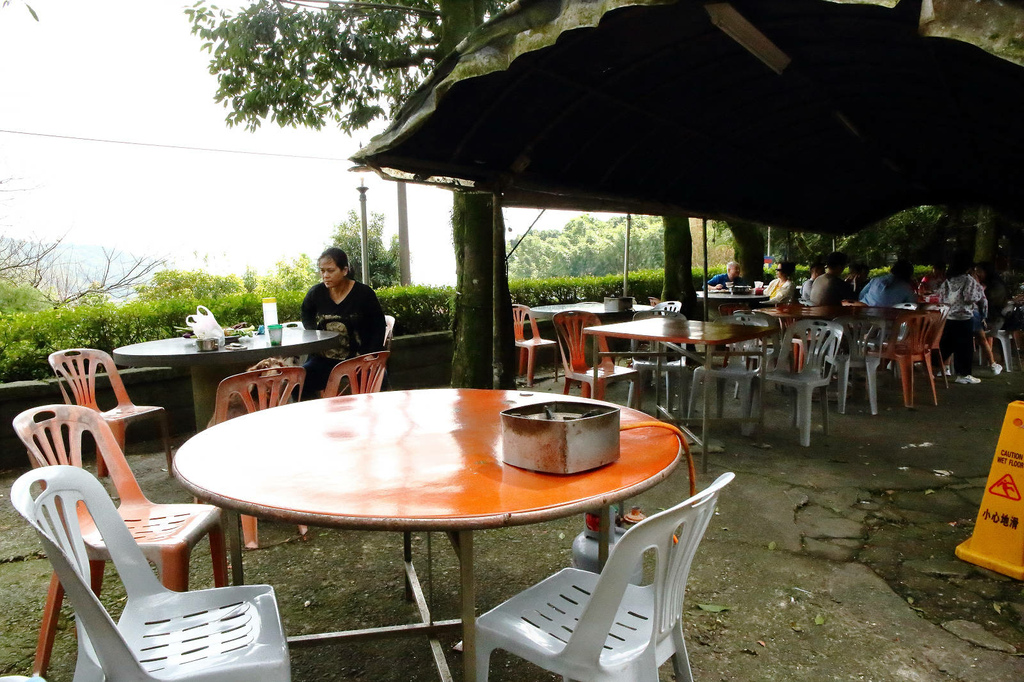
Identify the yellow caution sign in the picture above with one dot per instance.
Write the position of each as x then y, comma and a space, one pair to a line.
998, 539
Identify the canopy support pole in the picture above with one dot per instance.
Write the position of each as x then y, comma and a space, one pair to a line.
704, 236
625, 257
497, 287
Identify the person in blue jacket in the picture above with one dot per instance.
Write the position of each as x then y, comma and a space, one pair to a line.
730, 276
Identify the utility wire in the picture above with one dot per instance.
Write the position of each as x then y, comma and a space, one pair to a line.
171, 146
524, 234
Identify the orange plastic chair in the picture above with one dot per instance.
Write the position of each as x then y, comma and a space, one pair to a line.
937, 327
522, 314
257, 390
569, 327
166, 533
361, 374
78, 368
909, 342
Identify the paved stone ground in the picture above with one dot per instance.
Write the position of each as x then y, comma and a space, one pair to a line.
833, 562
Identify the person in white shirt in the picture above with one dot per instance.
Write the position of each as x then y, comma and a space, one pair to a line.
817, 270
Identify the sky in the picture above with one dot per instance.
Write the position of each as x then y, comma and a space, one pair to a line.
129, 73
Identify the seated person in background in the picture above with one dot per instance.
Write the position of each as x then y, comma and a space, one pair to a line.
731, 275
858, 277
340, 304
817, 270
931, 282
831, 289
895, 287
782, 289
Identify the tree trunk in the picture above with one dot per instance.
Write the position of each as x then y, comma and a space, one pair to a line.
503, 353
985, 236
679, 263
749, 249
472, 232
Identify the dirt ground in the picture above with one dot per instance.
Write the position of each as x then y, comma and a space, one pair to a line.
833, 562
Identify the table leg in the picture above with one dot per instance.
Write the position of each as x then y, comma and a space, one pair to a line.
603, 533
468, 605
233, 531
205, 379
704, 414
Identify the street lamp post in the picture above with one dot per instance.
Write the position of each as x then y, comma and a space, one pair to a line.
363, 236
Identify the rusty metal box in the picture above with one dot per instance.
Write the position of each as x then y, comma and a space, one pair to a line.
560, 437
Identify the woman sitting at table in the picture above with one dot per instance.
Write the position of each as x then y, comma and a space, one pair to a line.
339, 304
782, 289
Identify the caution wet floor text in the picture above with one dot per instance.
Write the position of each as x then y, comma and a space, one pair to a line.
998, 539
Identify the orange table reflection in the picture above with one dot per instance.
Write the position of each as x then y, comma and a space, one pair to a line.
405, 460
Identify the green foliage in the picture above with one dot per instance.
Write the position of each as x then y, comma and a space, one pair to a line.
385, 267
197, 284
588, 246
26, 339
303, 67
642, 285
18, 299
299, 274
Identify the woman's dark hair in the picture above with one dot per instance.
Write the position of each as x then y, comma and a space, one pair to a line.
988, 268
902, 269
339, 257
960, 264
787, 268
836, 259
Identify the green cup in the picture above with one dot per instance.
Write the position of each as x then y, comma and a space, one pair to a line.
275, 332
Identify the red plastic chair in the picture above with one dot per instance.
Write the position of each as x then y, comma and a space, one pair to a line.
252, 391
78, 368
166, 533
910, 341
522, 314
361, 374
569, 327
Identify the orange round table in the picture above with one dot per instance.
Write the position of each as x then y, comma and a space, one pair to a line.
405, 460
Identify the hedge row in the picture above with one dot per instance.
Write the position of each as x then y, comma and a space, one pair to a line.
26, 339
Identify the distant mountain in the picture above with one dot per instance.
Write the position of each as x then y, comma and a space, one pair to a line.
76, 266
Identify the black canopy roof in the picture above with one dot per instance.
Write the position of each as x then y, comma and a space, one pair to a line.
649, 107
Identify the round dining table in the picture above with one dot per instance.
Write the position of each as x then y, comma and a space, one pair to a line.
208, 368
406, 461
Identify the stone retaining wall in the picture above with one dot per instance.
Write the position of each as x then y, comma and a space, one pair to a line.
418, 361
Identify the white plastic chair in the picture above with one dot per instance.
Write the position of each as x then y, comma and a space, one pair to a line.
736, 371
819, 340
601, 628
222, 634
863, 337
671, 306
646, 366
389, 331
1005, 339
166, 533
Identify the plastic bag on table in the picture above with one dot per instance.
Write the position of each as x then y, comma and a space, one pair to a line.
204, 325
